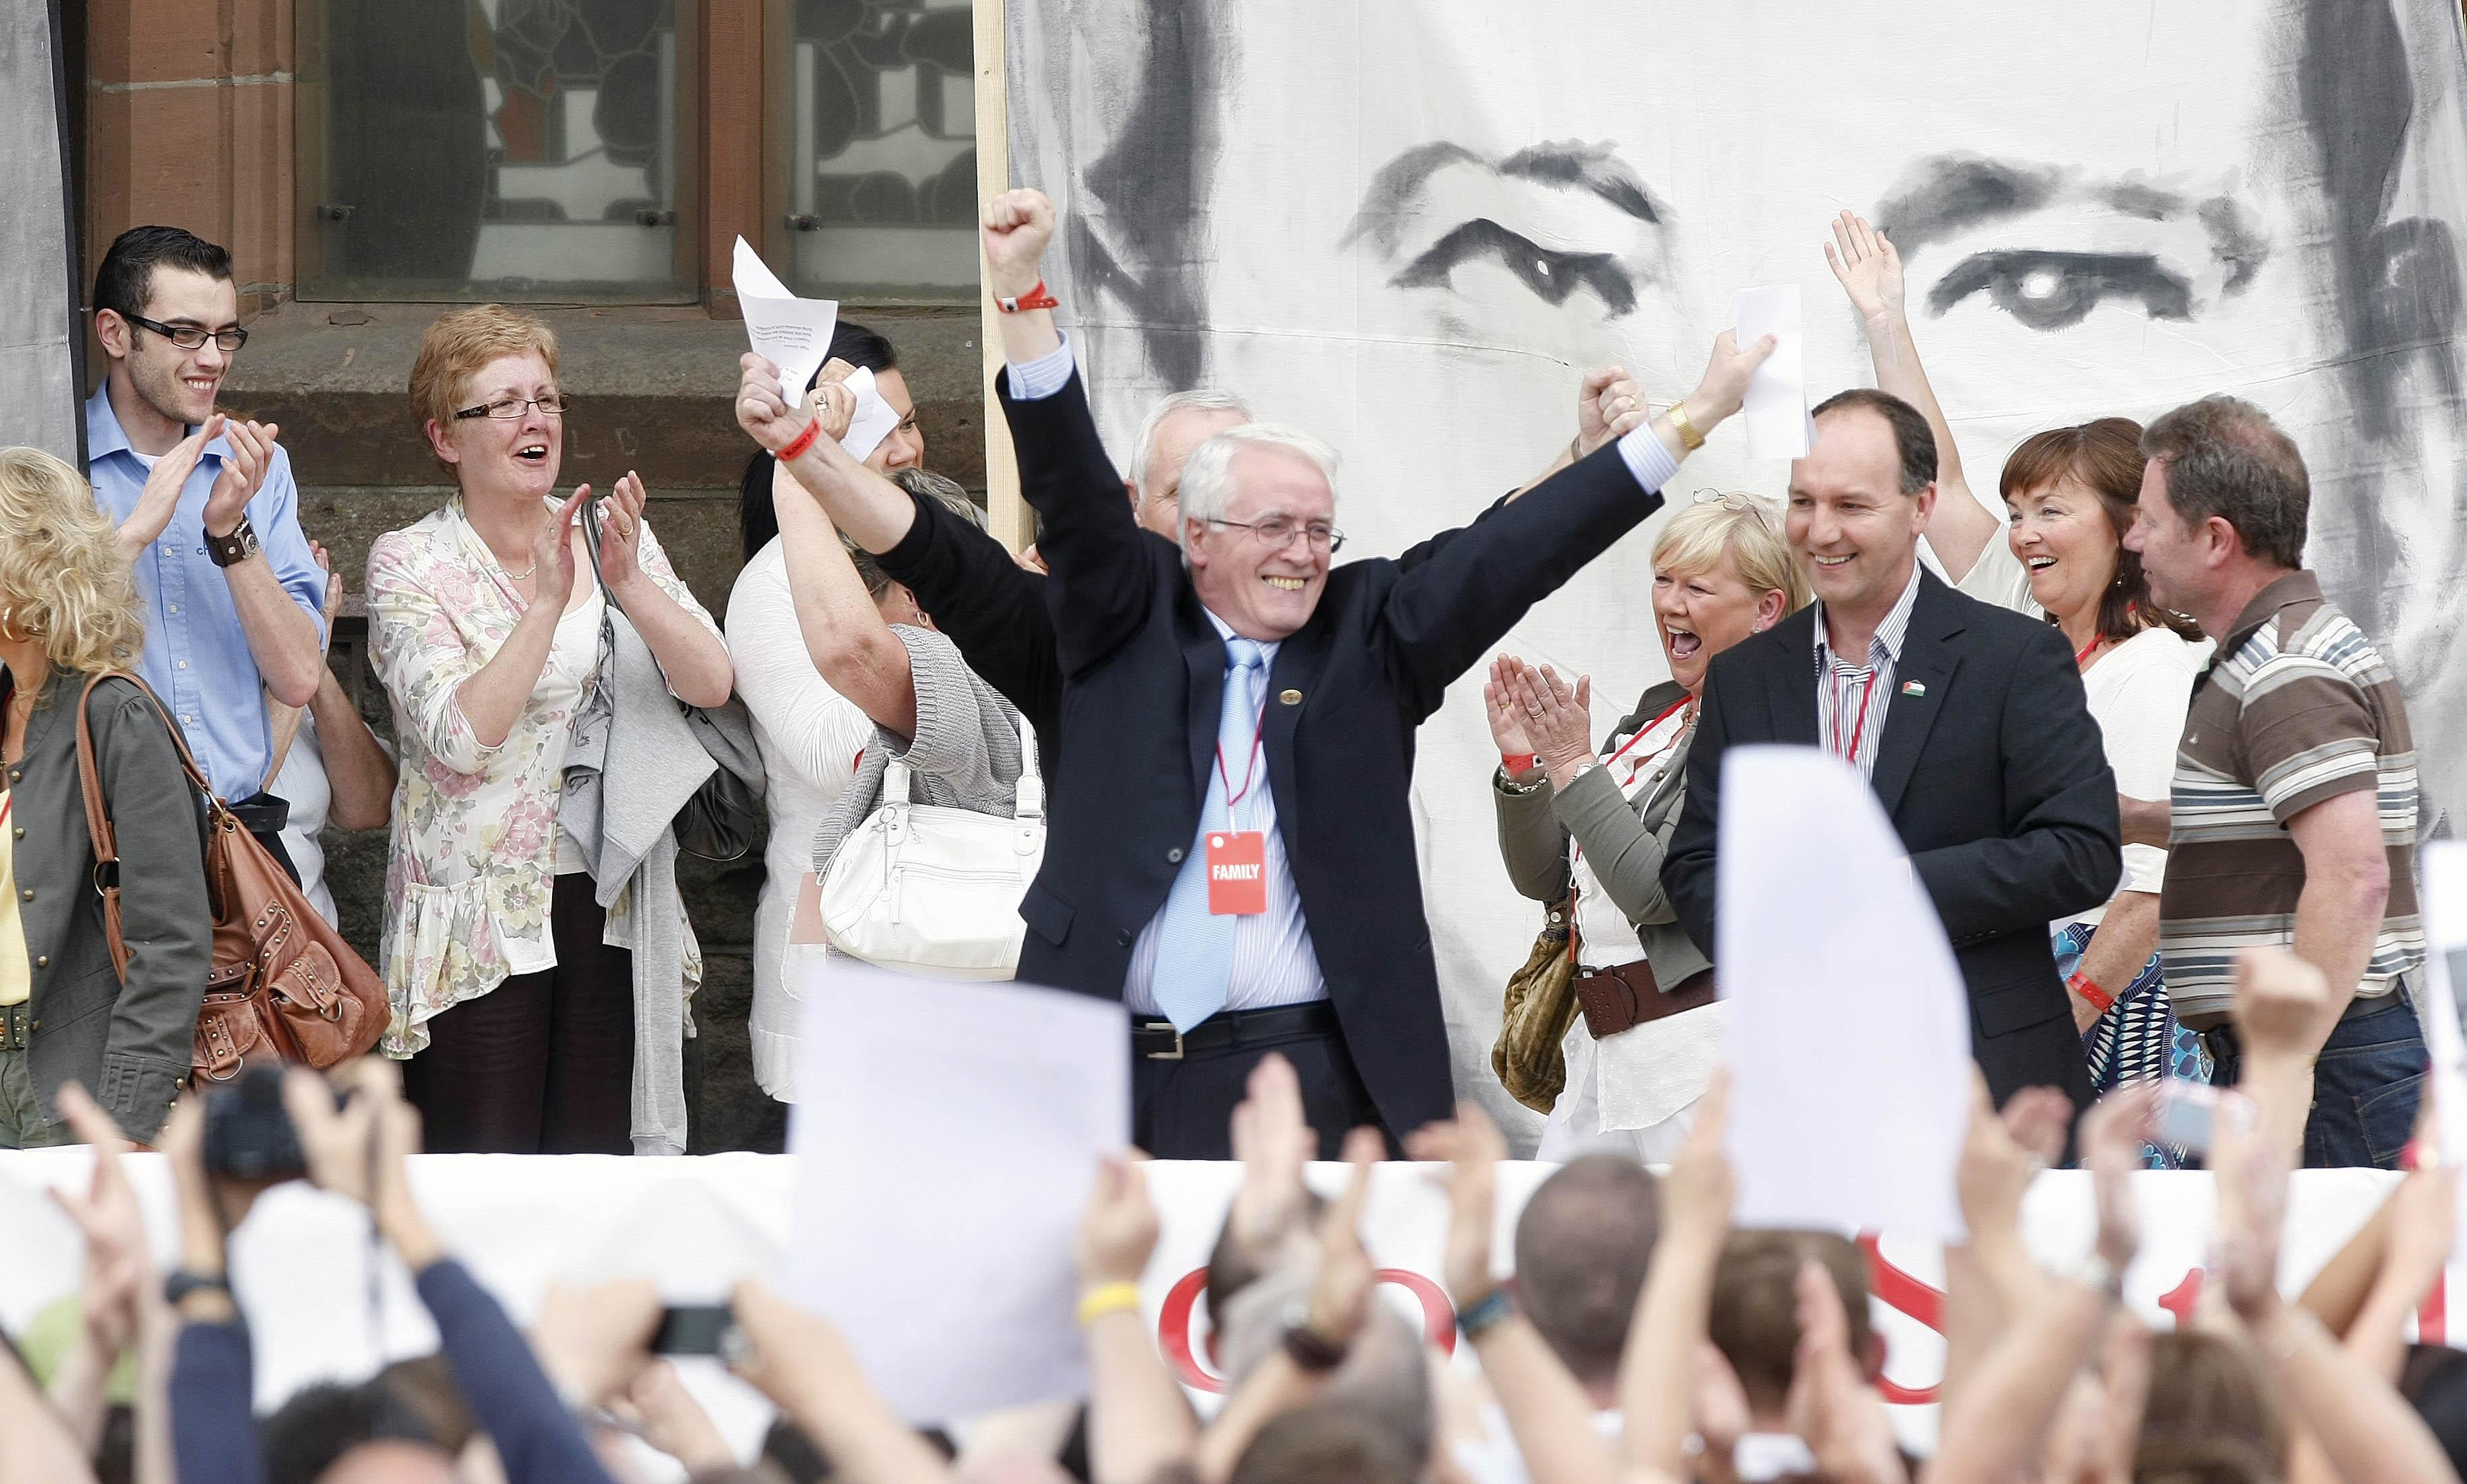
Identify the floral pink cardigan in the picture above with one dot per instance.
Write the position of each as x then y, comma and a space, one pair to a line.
471, 861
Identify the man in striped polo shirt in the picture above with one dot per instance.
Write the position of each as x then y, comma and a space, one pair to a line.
2295, 808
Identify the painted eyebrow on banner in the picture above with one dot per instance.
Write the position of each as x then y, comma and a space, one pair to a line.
1394, 198
2047, 289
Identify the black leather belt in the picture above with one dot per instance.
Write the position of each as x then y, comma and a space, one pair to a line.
17, 1026
1158, 1041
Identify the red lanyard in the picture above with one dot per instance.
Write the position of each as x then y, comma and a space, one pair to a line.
1641, 732
2084, 653
1250, 767
1858, 728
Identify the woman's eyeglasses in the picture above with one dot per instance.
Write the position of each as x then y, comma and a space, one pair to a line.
1735, 500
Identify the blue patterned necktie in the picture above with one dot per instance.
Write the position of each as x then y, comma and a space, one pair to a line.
1195, 962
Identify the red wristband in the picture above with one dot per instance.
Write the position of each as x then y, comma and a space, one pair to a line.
802, 441
1515, 763
1034, 299
2092, 995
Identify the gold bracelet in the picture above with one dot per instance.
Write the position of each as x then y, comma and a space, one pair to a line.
1688, 438
1107, 1298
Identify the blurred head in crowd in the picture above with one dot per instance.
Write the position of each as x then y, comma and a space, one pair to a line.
1325, 1443
2225, 502
1753, 1320
1860, 500
1382, 1380
64, 583
392, 1461
1582, 1246
2070, 495
1175, 426
1259, 521
897, 604
484, 392
363, 1433
2210, 1415
182, 284
764, 479
1721, 571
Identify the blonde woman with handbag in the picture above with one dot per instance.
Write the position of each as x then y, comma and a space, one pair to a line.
1593, 824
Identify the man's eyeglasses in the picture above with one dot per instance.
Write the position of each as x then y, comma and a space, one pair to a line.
552, 405
191, 337
1277, 531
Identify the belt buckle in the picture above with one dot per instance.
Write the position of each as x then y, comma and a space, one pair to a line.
1174, 1055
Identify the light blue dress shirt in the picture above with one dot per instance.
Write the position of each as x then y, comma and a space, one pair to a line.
197, 656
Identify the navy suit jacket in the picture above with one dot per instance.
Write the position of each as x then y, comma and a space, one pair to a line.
1142, 673
1996, 779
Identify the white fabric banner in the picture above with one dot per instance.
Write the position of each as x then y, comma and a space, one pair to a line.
301, 1262
1409, 226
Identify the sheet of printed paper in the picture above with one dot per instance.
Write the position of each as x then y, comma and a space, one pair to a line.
946, 1136
2441, 896
792, 333
1849, 1033
874, 418
1776, 410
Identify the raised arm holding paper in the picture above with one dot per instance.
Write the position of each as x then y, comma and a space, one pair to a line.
1261, 705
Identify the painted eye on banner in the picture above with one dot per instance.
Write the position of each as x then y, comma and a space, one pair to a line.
1553, 277
2052, 291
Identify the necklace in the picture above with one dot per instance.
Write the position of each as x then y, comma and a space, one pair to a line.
525, 575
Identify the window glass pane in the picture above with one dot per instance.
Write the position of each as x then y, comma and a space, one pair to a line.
520, 150
884, 177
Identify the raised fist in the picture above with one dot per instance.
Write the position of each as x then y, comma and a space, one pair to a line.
1017, 226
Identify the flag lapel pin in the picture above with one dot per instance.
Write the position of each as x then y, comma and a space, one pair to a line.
1912, 687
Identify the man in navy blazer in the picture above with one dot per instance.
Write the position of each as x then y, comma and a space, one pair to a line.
1968, 719
1333, 969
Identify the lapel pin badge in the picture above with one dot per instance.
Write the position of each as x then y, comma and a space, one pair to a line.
1912, 687
1291, 697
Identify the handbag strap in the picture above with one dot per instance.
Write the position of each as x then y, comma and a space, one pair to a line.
98, 818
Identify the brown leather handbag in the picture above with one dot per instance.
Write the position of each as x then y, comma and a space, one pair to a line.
1540, 1006
283, 983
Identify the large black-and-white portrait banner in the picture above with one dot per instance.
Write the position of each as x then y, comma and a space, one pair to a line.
1410, 225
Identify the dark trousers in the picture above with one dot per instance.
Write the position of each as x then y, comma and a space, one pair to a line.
544, 1062
1184, 1109
2367, 1084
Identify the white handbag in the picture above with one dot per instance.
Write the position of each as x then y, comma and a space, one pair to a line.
926, 888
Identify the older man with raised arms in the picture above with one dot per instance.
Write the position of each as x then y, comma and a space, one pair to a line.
1236, 863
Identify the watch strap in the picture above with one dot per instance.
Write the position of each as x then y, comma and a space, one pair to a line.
233, 549
1688, 438
184, 1282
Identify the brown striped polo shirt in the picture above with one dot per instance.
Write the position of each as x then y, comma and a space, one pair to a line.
2296, 707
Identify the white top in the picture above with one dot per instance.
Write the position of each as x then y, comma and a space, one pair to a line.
1636, 762
2139, 693
301, 782
810, 737
1997, 577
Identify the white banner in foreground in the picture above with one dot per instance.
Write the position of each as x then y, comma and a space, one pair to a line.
696, 1225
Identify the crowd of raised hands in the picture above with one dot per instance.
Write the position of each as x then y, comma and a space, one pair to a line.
2048, 1374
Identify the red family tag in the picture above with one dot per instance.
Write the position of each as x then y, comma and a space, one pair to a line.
1237, 874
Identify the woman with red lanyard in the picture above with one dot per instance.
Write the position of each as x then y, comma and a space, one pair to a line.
2070, 494
1569, 817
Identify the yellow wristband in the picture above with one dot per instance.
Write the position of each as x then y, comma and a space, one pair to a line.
1106, 1298
1688, 438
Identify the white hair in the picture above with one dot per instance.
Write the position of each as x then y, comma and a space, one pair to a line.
1207, 479
1203, 401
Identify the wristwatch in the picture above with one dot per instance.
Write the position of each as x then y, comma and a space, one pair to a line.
183, 1283
235, 549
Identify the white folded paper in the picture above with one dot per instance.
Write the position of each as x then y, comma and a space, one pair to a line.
946, 1139
793, 334
874, 418
1849, 1037
1775, 408
2442, 898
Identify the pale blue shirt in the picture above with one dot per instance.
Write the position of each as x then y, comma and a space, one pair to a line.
197, 657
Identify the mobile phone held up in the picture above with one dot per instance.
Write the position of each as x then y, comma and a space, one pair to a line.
696, 1329
2190, 1113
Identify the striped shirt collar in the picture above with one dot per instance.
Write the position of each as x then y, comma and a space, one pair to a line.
1890, 634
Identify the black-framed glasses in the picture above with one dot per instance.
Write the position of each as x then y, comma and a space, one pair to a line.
504, 408
1277, 531
192, 337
